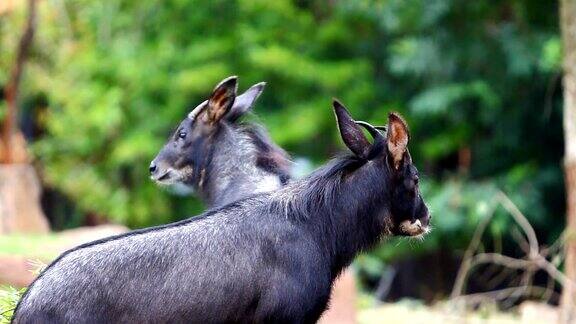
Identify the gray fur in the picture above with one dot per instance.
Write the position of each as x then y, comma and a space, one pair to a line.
234, 172
223, 161
269, 258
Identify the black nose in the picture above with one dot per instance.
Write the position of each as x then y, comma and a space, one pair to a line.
153, 167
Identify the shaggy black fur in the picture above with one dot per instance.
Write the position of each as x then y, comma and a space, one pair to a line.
270, 258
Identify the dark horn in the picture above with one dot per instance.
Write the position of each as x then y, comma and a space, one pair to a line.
382, 128
372, 130
379, 140
196, 111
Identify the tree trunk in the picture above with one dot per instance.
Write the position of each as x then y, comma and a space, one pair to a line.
10, 132
20, 189
568, 28
20, 209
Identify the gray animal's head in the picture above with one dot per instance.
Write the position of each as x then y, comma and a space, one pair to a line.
210, 145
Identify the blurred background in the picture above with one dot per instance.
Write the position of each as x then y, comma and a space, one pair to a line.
479, 82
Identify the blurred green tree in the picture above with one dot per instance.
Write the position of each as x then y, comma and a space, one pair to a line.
478, 82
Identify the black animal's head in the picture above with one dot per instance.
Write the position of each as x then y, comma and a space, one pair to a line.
389, 151
184, 159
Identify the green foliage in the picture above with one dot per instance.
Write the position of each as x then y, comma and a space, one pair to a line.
478, 77
45, 247
9, 297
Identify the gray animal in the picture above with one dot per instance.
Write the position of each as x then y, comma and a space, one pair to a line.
269, 258
220, 158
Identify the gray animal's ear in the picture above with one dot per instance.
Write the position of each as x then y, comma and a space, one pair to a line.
397, 138
245, 101
222, 99
350, 132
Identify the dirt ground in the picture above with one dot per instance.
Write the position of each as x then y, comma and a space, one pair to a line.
402, 312
16, 269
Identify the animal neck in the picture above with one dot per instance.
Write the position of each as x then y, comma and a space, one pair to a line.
235, 171
348, 210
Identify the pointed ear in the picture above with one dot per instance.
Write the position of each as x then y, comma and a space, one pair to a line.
397, 138
222, 99
350, 132
245, 101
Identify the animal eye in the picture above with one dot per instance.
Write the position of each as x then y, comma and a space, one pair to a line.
182, 135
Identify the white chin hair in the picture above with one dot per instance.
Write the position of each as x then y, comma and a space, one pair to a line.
181, 189
412, 229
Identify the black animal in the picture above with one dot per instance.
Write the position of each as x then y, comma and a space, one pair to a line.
270, 258
219, 157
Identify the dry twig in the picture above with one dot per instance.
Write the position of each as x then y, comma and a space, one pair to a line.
536, 259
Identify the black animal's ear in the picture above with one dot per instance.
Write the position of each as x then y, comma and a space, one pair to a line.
222, 99
397, 138
245, 101
350, 132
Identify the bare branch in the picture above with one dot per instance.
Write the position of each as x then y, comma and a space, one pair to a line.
467, 260
505, 293
534, 261
522, 221
499, 259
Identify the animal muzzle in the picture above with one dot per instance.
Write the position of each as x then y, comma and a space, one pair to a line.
416, 227
159, 174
